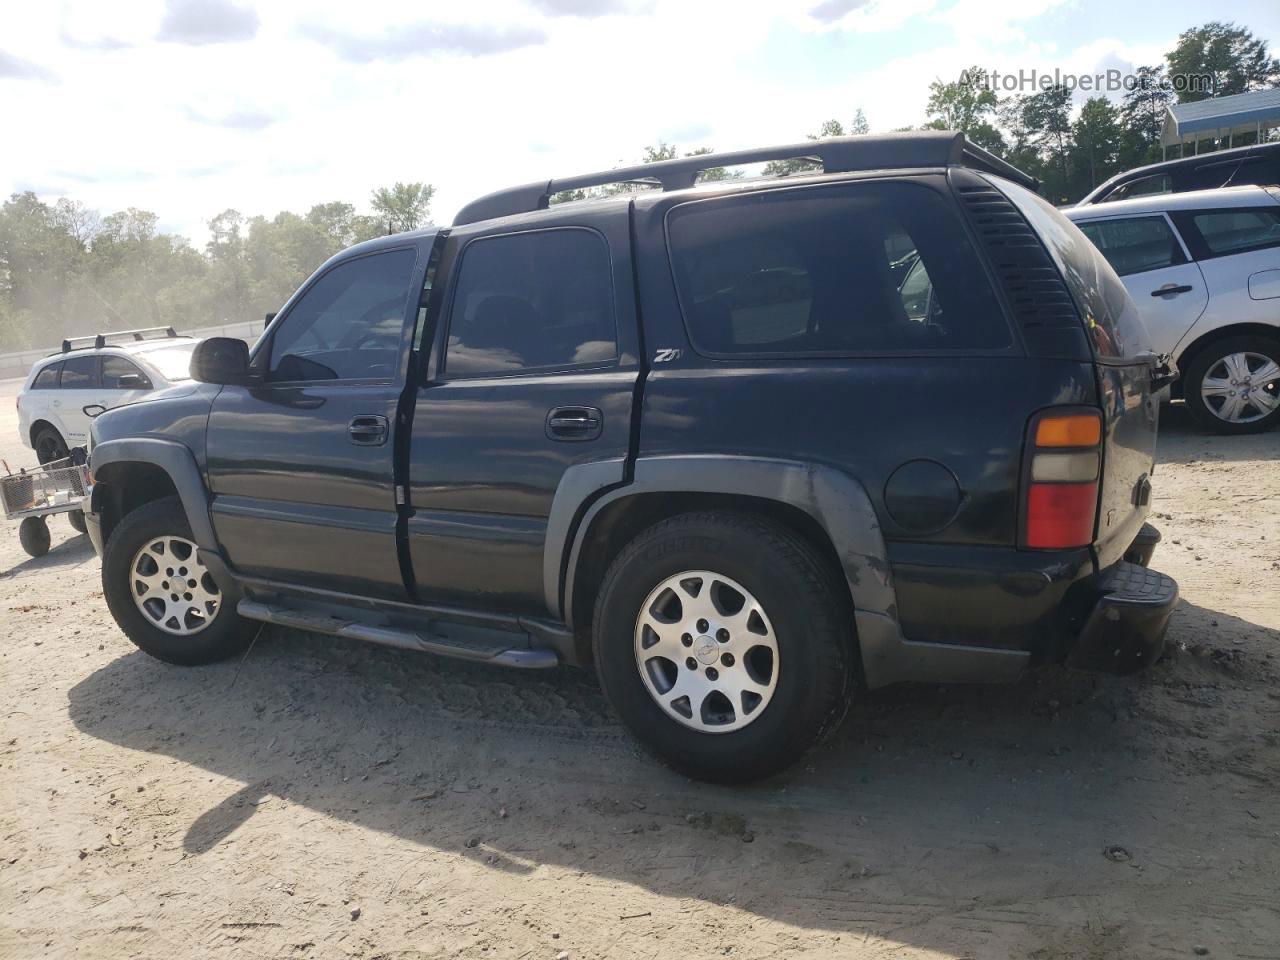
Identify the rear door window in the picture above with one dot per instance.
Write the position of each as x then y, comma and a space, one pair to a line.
540, 300
1220, 233
80, 373
47, 379
1135, 245
873, 267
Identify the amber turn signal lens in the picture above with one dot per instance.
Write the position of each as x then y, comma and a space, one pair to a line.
1070, 430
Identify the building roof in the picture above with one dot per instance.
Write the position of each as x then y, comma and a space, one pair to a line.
1239, 112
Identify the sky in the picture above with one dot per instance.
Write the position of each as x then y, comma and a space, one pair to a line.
188, 107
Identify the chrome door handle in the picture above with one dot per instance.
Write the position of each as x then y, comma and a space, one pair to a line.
574, 423
368, 431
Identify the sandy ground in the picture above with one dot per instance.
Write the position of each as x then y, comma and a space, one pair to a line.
336, 800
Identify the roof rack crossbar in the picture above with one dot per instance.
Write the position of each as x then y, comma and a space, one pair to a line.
921, 148
99, 340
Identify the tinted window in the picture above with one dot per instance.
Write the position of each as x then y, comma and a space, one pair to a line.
859, 267
114, 369
1144, 187
79, 373
347, 325
1233, 231
1135, 245
47, 378
536, 300
1111, 317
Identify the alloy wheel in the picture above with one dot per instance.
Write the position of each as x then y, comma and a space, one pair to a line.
172, 587
1241, 387
706, 651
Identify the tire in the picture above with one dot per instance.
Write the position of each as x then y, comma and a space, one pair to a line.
33, 534
76, 519
804, 615
49, 445
212, 635
1224, 360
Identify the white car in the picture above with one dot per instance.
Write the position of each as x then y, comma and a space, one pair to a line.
66, 390
1204, 269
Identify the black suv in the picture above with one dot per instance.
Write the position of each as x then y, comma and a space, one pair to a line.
1258, 164
748, 446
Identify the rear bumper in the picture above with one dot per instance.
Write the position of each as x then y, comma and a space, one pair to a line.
1125, 629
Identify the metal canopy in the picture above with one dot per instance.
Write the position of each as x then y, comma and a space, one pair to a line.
1222, 117
924, 148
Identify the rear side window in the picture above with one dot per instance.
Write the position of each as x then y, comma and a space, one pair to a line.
47, 378
80, 373
855, 268
1143, 187
1223, 232
541, 300
347, 325
1135, 245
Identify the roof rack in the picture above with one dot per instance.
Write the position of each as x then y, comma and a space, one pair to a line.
99, 340
917, 148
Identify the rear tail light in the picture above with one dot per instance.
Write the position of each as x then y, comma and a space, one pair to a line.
1065, 462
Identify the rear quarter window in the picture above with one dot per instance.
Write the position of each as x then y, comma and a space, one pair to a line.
1112, 319
862, 268
1220, 233
47, 378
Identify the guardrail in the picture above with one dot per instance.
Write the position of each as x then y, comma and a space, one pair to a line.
19, 364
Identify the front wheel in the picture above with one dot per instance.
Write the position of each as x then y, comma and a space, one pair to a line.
723, 642
163, 596
1233, 385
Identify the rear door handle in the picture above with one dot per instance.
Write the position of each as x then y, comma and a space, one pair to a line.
574, 423
368, 431
1171, 290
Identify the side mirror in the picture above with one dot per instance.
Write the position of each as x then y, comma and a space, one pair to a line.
93, 410
222, 360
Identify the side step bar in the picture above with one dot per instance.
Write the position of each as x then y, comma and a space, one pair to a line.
392, 637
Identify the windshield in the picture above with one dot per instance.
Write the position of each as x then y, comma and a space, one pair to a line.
174, 363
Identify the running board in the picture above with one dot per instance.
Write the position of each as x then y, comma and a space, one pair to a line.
498, 654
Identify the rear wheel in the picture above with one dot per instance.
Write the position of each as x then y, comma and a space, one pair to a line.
722, 642
49, 445
163, 596
77, 521
1233, 385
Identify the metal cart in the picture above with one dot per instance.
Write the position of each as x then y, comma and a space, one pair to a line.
33, 495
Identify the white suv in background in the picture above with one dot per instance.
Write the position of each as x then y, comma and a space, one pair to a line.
66, 390
1204, 269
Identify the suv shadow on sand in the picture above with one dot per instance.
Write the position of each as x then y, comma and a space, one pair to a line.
950, 813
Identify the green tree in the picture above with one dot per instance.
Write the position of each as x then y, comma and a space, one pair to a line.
1142, 113
1097, 138
1232, 57
968, 105
1046, 120
404, 206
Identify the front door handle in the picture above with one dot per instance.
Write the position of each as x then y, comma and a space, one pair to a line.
1171, 290
574, 423
368, 431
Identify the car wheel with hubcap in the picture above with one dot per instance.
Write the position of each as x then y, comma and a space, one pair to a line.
1233, 385
724, 642
161, 593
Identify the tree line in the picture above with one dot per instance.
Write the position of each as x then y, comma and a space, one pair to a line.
67, 271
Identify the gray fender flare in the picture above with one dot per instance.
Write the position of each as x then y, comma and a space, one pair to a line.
175, 459
840, 505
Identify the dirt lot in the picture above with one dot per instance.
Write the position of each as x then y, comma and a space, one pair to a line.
335, 800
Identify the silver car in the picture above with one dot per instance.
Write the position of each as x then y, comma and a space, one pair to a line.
1204, 268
